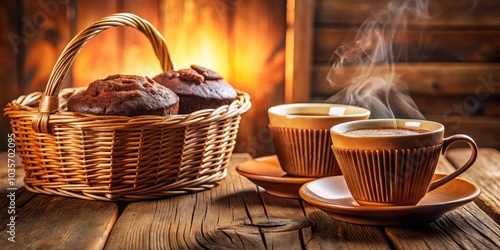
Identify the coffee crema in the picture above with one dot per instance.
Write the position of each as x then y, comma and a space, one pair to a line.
309, 114
382, 131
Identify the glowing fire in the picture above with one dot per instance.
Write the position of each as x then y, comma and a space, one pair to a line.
201, 35
241, 40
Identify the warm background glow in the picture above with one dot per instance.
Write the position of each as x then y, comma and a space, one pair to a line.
242, 40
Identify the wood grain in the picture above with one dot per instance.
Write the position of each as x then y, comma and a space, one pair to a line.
482, 13
457, 105
484, 130
42, 224
431, 79
300, 15
50, 34
325, 232
281, 223
449, 63
219, 219
450, 230
463, 97
235, 215
12, 44
467, 227
418, 45
483, 173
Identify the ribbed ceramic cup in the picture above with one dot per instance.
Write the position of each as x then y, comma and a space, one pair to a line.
393, 169
301, 136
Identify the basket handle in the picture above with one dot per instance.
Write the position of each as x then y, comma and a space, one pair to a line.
49, 102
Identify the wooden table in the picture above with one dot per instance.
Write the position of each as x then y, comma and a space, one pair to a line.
239, 215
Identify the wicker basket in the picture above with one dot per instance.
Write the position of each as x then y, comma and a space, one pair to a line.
115, 157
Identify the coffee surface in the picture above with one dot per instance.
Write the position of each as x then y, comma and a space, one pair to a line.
382, 131
308, 114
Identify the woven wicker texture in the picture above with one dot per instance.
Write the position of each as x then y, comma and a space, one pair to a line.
114, 157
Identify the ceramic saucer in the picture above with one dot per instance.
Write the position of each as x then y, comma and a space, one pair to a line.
266, 172
331, 195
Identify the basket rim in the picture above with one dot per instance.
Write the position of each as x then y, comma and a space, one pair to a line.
27, 105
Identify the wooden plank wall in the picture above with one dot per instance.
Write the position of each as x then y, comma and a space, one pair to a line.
11, 58
455, 76
32, 35
244, 40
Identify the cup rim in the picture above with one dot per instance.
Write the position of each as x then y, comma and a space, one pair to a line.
275, 110
341, 128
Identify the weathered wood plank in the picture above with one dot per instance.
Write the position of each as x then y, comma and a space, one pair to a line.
99, 57
450, 45
49, 32
51, 222
12, 44
219, 219
484, 130
479, 80
286, 222
444, 166
325, 232
282, 223
458, 105
481, 13
22, 195
485, 174
464, 97
153, 225
235, 215
467, 227
298, 50
465, 106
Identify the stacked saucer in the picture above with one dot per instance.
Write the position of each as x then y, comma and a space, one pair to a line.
267, 173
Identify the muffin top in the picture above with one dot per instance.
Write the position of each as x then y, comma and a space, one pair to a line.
126, 95
197, 81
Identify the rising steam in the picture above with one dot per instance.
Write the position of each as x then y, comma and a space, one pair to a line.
363, 72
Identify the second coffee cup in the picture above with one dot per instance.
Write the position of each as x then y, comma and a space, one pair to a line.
301, 136
391, 162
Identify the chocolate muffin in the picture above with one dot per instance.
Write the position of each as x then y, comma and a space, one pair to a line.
125, 95
198, 88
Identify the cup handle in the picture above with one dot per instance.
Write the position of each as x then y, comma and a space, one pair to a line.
447, 142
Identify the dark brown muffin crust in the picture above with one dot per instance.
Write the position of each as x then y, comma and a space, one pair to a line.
198, 88
125, 95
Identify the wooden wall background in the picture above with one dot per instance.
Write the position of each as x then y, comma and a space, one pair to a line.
455, 78
244, 40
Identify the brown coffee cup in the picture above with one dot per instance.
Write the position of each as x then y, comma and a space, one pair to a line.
392, 161
301, 137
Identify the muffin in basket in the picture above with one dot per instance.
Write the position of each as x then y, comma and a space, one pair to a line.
198, 88
125, 95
